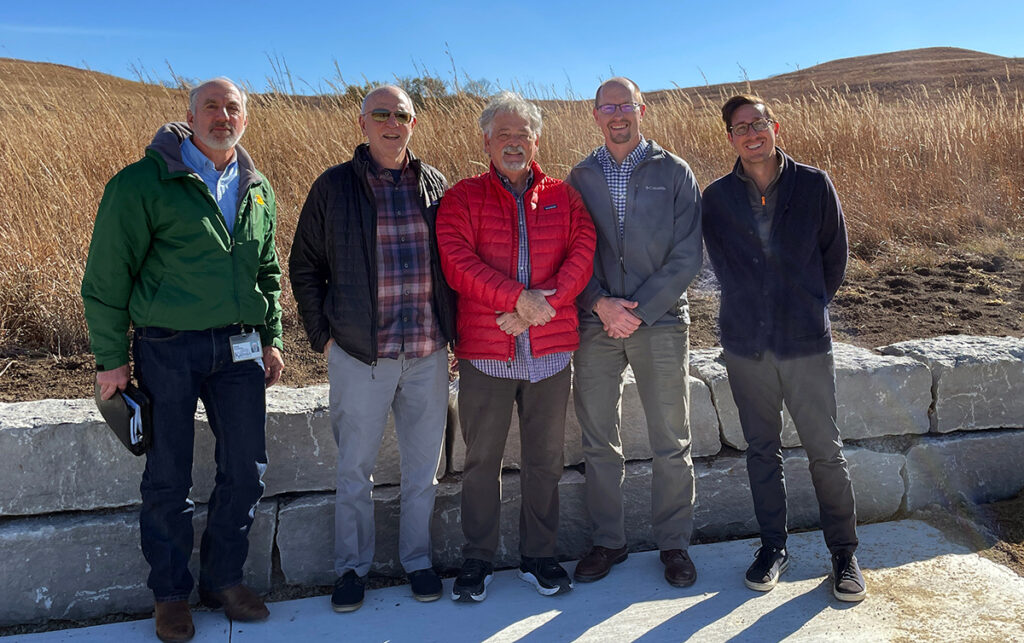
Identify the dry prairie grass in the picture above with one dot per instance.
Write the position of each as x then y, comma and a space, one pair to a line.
913, 170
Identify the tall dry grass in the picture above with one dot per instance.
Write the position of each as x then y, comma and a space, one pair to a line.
911, 170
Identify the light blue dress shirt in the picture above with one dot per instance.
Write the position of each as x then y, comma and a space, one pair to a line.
222, 185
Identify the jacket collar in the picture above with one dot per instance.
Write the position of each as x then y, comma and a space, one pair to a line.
166, 146
787, 178
361, 159
538, 175
655, 152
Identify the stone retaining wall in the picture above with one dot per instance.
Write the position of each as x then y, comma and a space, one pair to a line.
925, 421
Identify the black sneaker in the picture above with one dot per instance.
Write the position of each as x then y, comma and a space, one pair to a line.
348, 592
472, 581
426, 586
769, 563
546, 575
847, 581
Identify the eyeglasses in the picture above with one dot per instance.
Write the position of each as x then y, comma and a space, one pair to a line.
760, 125
382, 116
625, 108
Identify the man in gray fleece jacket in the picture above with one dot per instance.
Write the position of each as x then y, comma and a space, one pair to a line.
645, 204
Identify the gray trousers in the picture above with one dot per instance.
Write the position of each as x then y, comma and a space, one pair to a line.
416, 390
808, 385
485, 412
658, 356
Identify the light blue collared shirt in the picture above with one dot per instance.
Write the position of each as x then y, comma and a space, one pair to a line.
223, 185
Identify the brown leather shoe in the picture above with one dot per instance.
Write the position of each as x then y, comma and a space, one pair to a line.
679, 569
174, 621
239, 602
598, 562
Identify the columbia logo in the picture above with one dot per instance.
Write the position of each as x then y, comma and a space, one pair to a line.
654, 187
551, 207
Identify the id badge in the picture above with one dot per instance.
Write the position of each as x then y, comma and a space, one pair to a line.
246, 347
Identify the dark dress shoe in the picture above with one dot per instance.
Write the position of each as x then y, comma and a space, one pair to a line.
239, 602
598, 562
679, 569
174, 621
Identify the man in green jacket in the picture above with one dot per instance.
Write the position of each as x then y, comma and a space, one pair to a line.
183, 252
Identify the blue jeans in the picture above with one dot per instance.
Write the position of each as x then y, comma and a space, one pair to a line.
175, 369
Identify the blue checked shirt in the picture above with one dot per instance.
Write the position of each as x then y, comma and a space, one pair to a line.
524, 366
617, 176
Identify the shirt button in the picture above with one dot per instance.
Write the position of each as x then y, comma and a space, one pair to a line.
756, 261
405, 265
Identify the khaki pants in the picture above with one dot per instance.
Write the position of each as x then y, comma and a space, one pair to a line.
658, 356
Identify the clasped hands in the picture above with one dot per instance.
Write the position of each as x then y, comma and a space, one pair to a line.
617, 316
532, 309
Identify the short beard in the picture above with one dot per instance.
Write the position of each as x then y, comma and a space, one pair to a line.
514, 165
228, 143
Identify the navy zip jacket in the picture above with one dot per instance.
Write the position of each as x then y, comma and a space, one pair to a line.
777, 302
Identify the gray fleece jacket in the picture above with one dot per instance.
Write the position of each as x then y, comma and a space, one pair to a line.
661, 250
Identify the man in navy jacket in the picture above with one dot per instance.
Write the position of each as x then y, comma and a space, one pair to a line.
775, 234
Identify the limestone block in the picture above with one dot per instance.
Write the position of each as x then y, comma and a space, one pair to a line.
707, 365
977, 382
880, 394
876, 395
877, 484
60, 456
89, 565
633, 428
65, 458
725, 508
301, 452
306, 530
305, 536
977, 468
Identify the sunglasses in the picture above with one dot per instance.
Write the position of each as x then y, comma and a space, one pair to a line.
382, 116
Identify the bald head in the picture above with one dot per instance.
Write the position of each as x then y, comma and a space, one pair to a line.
220, 82
389, 90
623, 82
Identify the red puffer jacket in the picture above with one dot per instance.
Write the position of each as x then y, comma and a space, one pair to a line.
478, 237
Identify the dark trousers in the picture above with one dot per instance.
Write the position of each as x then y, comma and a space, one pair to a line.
808, 385
175, 369
485, 412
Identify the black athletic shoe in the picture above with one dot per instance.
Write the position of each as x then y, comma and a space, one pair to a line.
348, 592
546, 575
426, 586
769, 563
472, 581
847, 581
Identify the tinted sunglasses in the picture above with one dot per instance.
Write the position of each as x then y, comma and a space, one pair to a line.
382, 116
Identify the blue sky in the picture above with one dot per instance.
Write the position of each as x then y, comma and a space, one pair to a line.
554, 47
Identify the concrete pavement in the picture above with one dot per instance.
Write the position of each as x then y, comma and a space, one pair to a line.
922, 587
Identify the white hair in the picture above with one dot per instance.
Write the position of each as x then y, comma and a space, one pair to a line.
510, 103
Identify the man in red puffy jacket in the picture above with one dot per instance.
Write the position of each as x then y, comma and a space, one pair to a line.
517, 247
